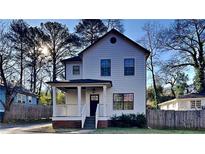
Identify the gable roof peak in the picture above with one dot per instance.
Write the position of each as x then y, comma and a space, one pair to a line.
113, 30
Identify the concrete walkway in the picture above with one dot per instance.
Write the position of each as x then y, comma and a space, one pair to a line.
83, 131
21, 128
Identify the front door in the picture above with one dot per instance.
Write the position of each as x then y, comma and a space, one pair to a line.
94, 100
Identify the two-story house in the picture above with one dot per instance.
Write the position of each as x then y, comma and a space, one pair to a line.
107, 78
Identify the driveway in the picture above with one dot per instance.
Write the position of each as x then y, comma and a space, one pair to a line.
21, 128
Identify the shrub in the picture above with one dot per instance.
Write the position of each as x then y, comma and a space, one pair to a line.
141, 121
129, 120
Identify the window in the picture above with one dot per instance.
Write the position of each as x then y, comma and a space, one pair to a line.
19, 98
192, 104
129, 66
76, 70
29, 99
105, 67
94, 97
196, 104
113, 40
123, 101
23, 99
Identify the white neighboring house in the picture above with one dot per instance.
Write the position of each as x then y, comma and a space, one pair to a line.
193, 101
105, 79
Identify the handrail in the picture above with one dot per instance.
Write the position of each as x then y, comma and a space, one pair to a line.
83, 115
96, 116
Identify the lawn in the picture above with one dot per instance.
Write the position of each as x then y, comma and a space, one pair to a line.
115, 130
145, 131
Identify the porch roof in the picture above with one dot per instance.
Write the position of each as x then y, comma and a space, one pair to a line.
81, 82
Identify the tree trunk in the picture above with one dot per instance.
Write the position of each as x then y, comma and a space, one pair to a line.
173, 92
201, 79
21, 67
31, 80
40, 86
34, 77
156, 97
54, 68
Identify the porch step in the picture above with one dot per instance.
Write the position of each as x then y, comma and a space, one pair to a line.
89, 123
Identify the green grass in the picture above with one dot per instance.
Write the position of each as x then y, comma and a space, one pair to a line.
145, 131
117, 130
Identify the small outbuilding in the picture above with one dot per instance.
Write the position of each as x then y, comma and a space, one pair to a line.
192, 101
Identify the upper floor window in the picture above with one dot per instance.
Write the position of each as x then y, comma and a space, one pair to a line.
129, 66
105, 67
76, 70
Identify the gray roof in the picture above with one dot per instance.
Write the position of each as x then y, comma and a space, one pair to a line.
76, 58
20, 90
83, 81
192, 95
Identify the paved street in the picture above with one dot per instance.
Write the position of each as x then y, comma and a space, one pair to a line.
38, 128
21, 128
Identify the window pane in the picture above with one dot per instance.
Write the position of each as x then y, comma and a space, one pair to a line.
192, 104
128, 97
105, 67
129, 66
118, 106
198, 104
118, 97
128, 105
129, 62
94, 98
76, 70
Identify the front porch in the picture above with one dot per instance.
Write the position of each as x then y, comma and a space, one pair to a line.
83, 98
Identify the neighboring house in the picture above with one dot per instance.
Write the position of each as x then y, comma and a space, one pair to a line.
23, 96
107, 78
193, 101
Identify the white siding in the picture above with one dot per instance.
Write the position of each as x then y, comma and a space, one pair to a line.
181, 104
69, 71
121, 84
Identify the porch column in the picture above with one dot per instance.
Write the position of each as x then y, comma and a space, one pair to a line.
79, 100
54, 101
104, 100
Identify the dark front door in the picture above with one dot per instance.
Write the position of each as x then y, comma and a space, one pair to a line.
94, 100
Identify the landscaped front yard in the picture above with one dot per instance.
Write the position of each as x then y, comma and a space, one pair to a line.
115, 130
145, 131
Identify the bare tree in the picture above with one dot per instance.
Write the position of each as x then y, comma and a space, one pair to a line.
17, 35
59, 44
6, 68
114, 23
36, 59
150, 41
185, 39
89, 30
175, 78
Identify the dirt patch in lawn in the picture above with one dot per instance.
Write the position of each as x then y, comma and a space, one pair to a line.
49, 129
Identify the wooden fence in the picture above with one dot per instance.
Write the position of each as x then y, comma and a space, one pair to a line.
176, 119
27, 112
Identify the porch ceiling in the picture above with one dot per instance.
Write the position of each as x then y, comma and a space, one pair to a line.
69, 84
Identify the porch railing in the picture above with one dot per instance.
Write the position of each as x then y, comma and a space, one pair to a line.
96, 116
83, 114
67, 110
